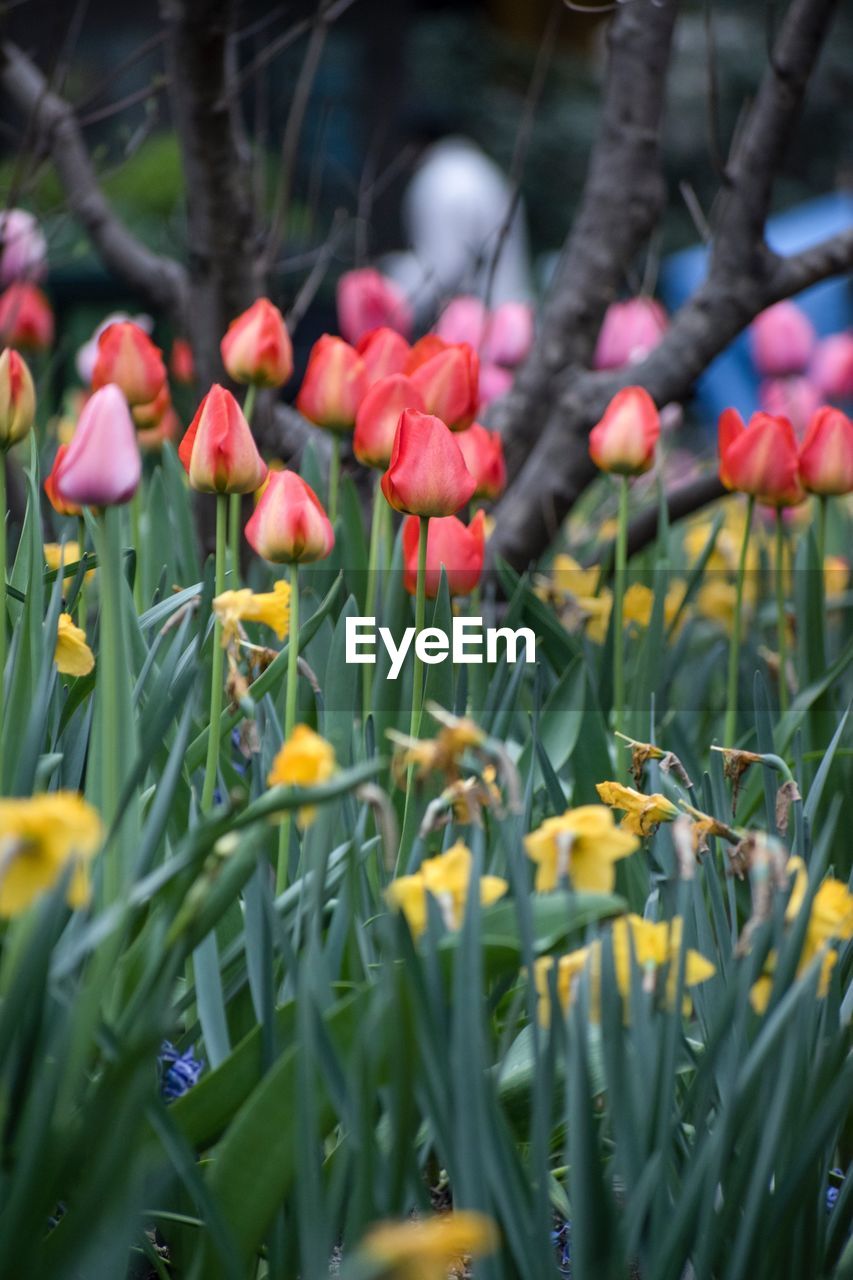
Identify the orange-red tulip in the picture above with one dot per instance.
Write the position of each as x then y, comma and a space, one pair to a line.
760, 459
17, 401
625, 438
147, 416
451, 545
427, 475
26, 318
59, 504
152, 439
289, 524
826, 456
483, 452
378, 416
449, 384
424, 349
384, 351
334, 385
128, 358
218, 450
101, 466
181, 362
257, 346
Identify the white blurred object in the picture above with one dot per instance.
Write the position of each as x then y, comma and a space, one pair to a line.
23, 248
88, 353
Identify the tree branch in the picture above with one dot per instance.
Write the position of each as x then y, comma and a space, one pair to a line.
161, 281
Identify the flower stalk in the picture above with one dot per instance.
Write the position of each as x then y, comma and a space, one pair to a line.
334, 477
290, 689
3, 519
235, 509
618, 595
210, 767
781, 621
734, 645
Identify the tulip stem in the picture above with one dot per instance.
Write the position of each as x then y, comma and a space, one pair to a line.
730, 728
822, 510
235, 505
420, 612
334, 478
3, 619
781, 621
81, 551
210, 767
289, 719
136, 540
373, 559
618, 593
109, 680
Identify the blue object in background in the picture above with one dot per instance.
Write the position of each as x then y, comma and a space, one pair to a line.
731, 379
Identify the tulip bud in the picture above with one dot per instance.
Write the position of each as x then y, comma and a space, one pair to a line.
23, 248
17, 400
384, 352
483, 452
218, 451
832, 367
26, 319
257, 346
760, 459
368, 300
59, 505
452, 546
152, 439
378, 416
427, 475
629, 331
101, 466
495, 381
510, 335
625, 438
289, 525
128, 358
826, 456
334, 385
146, 416
783, 339
449, 384
181, 362
464, 319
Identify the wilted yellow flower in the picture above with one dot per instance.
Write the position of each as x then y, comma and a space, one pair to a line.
569, 969
637, 604
583, 844
430, 1248
655, 944
446, 878
73, 657
440, 754
836, 576
272, 608
39, 837
56, 554
642, 813
571, 578
305, 760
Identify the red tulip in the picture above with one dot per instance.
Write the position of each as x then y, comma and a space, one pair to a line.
147, 416
101, 466
625, 438
483, 452
218, 450
59, 505
452, 546
17, 402
257, 346
510, 335
26, 319
334, 385
181, 362
378, 416
449, 384
368, 300
629, 331
832, 367
128, 358
384, 352
783, 340
826, 456
424, 349
760, 459
289, 524
464, 319
427, 475
23, 248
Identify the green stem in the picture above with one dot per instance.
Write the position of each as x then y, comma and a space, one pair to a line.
730, 728
334, 477
618, 594
210, 767
235, 513
136, 540
109, 681
3, 620
420, 611
81, 550
289, 719
781, 624
373, 560
822, 511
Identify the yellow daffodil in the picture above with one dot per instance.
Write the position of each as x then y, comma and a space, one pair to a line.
836, 576
446, 878
569, 968
637, 605
582, 844
570, 578
73, 657
305, 760
655, 944
58, 553
272, 608
39, 837
642, 813
430, 1248
440, 754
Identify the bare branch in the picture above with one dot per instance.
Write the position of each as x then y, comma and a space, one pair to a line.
160, 280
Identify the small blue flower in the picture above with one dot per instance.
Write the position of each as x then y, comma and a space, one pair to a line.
833, 1190
561, 1238
178, 1071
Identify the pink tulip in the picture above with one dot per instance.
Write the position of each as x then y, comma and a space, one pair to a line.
465, 319
795, 398
495, 381
630, 330
832, 367
510, 335
368, 300
783, 340
23, 248
101, 466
